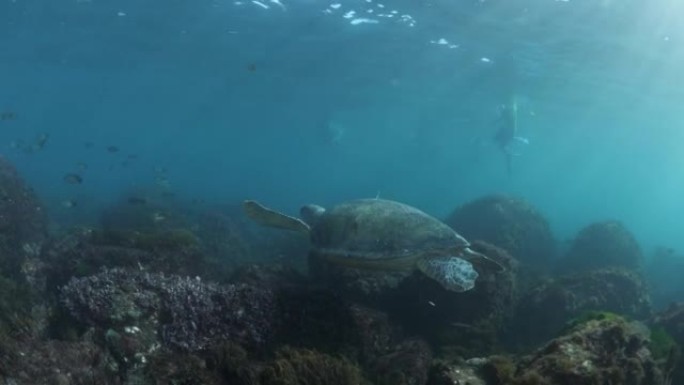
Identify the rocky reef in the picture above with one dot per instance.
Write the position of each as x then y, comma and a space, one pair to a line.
160, 294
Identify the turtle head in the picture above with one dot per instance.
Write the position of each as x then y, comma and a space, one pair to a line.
311, 214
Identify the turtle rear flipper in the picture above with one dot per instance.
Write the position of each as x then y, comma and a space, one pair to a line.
453, 273
271, 218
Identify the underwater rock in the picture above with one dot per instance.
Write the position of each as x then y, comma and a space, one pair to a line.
178, 237
664, 275
187, 313
231, 365
372, 288
407, 364
510, 223
207, 241
23, 222
317, 317
81, 252
138, 214
30, 362
461, 372
602, 244
20, 314
321, 320
230, 360
544, 310
467, 322
166, 367
78, 253
273, 276
667, 337
302, 366
225, 235
375, 334
608, 351
226, 231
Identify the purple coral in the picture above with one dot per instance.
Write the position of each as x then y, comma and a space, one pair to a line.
199, 314
190, 314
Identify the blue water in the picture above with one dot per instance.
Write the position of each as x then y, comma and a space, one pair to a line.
289, 104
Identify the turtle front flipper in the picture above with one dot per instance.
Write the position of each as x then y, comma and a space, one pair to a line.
481, 261
271, 218
453, 273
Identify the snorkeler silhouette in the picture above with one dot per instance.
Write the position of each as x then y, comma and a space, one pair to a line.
506, 134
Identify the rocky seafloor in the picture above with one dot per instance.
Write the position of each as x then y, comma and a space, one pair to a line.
204, 297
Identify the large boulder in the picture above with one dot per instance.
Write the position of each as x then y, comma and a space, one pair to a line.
600, 245
607, 351
543, 311
510, 223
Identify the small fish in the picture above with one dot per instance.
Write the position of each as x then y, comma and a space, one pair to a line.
462, 325
158, 217
7, 115
30, 148
69, 204
162, 181
137, 201
72, 178
82, 166
431, 303
41, 140
38, 144
112, 149
334, 132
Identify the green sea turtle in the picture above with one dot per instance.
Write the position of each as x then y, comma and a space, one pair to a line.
382, 235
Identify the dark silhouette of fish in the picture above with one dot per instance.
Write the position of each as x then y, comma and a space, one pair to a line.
72, 178
137, 200
507, 131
